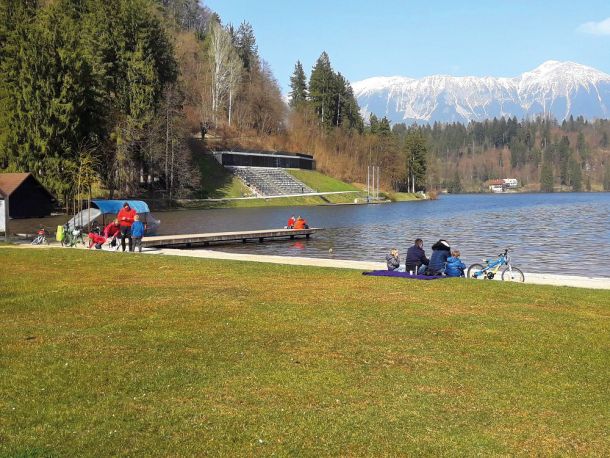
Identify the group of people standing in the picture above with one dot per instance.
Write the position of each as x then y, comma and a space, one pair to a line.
126, 227
443, 261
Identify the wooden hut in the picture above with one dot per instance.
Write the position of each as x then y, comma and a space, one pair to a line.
26, 196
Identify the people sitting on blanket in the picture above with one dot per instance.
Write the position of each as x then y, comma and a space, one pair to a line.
416, 261
112, 231
300, 223
455, 267
440, 253
392, 260
290, 223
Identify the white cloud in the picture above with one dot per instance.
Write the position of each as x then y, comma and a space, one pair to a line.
596, 28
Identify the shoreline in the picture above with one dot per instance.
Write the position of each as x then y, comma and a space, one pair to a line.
531, 278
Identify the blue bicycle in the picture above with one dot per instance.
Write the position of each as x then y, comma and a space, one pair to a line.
493, 266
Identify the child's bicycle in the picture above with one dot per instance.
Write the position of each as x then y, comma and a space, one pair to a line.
492, 266
41, 237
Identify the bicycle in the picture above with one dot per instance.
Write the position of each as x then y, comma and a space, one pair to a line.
72, 237
492, 266
41, 237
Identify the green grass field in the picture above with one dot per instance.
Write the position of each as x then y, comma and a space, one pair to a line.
106, 354
320, 182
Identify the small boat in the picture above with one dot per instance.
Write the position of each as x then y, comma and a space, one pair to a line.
104, 211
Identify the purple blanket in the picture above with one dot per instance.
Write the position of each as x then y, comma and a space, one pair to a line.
388, 273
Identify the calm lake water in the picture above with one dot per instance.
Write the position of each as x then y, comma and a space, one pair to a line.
565, 233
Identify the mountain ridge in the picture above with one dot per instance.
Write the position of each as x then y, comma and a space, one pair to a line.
555, 88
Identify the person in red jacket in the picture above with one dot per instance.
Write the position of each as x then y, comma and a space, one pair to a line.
126, 217
112, 231
290, 223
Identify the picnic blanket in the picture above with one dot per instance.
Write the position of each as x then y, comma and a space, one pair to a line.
388, 273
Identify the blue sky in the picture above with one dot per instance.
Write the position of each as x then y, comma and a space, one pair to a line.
418, 38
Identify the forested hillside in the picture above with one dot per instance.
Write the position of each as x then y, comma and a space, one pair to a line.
105, 94
105, 97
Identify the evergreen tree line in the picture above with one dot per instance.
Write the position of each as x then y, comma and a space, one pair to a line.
118, 87
572, 155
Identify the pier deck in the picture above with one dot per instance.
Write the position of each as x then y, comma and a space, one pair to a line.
189, 240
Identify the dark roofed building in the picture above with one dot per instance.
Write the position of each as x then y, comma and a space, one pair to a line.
27, 197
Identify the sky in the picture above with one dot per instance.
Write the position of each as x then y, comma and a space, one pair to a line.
366, 38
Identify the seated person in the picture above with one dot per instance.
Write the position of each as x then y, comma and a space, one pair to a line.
455, 266
440, 253
290, 223
392, 260
416, 261
300, 223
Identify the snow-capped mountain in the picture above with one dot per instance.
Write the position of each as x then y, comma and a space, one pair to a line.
559, 89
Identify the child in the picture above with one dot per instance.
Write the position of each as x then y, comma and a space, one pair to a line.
137, 232
392, 260
455, 266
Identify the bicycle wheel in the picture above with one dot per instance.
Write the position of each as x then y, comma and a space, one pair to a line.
513, 274
36, 240
476, 268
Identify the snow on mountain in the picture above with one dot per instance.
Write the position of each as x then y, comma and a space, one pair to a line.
554, 88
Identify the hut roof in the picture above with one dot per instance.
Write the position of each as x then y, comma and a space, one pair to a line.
11, 181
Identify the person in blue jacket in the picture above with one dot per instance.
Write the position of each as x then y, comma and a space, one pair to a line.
455, 266
137, 232
440, 253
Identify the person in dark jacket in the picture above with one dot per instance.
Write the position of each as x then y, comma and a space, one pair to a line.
392, 260
455, 266
416, 258
440, 253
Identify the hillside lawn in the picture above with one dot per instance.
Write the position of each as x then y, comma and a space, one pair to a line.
106, 354
320, 182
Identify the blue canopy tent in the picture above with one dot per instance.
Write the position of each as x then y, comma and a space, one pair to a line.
108, 209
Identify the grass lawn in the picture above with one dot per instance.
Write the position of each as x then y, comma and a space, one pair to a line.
320, 182
216, 181
401, 196
115, 354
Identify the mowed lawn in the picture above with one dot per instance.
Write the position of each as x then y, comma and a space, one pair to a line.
105, 354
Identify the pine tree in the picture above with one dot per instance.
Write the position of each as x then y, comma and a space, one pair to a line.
321, 89
604, 140
546, 174
607, 177
575, 176
298, 86
415, 152
373, 124
246, 47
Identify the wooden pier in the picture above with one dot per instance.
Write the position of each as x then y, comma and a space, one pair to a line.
189, 240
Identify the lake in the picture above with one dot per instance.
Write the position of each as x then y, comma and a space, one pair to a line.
566, 233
